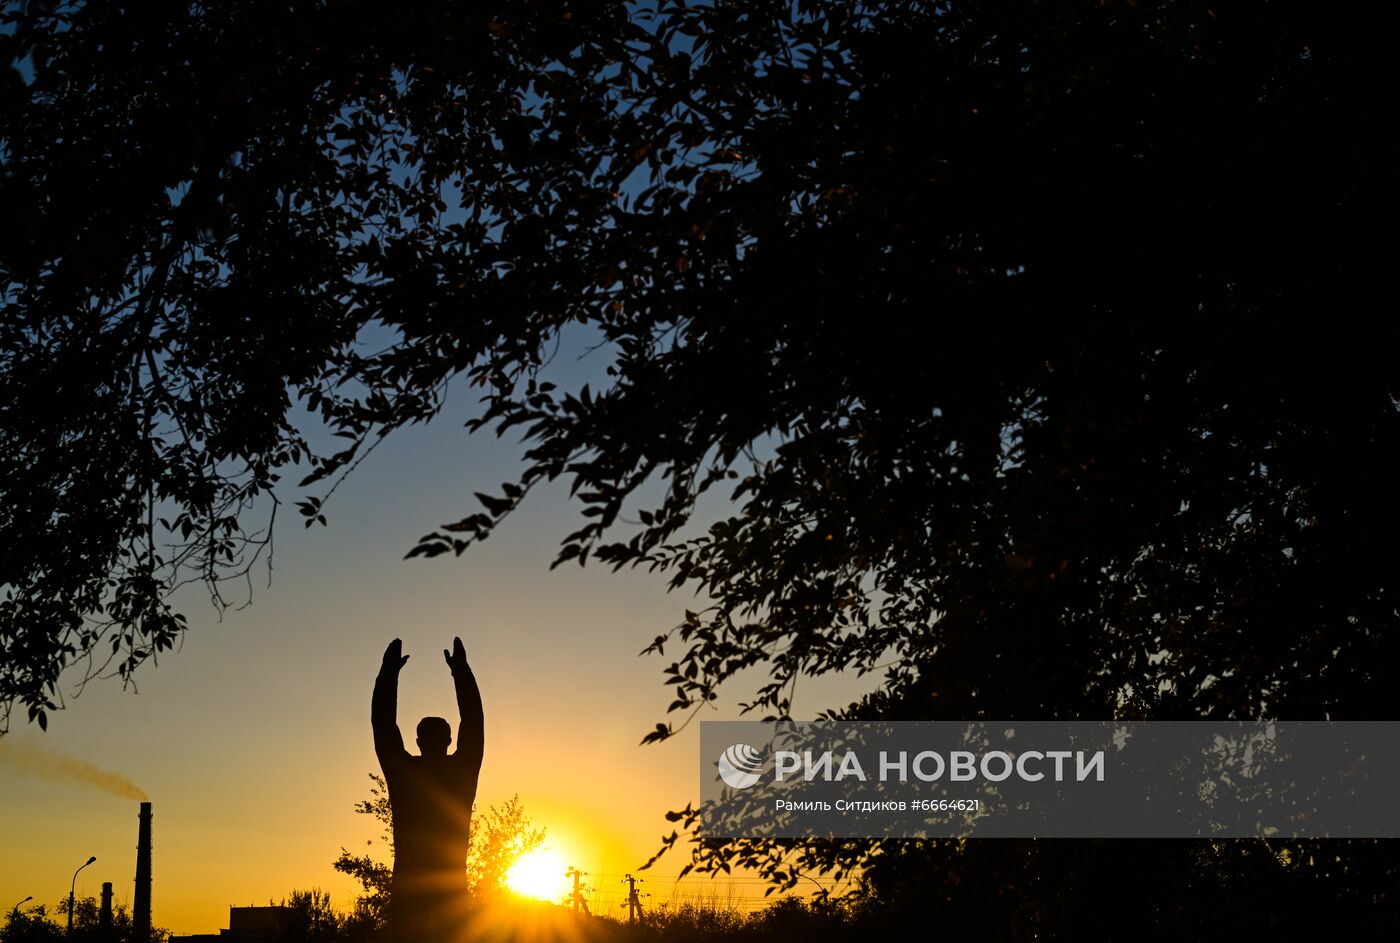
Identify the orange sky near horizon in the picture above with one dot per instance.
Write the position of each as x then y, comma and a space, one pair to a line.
253, 742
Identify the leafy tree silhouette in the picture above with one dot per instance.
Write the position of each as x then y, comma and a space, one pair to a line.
1034, 340
40, 924
310, 918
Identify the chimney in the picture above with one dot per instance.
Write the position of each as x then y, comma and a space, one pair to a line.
141, 903
104, 917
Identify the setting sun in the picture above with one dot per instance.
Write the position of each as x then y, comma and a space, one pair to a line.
538, 874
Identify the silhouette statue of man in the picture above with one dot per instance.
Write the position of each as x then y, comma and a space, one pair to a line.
431, 797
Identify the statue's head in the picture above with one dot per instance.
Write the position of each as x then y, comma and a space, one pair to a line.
434, 736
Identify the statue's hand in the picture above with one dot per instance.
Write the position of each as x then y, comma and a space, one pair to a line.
457, 659
393, 655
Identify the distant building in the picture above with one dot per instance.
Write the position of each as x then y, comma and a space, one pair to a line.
244, 923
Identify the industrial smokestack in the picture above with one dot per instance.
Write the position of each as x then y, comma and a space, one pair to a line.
104, 916
141, 903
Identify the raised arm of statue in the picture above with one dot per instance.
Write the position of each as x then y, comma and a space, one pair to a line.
384, 707
471, 734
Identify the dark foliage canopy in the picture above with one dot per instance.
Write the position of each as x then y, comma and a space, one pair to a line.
1039, 343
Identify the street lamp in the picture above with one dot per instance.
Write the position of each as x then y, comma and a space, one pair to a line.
71, 888
15, 909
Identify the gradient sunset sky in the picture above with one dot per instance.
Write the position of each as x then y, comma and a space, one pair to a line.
253, 741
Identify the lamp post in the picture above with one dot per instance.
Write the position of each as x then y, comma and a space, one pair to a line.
15, 909
71, 887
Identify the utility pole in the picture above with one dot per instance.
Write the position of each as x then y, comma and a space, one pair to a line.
576, 898
634, 901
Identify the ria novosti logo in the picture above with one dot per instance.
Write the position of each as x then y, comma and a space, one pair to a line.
740, 766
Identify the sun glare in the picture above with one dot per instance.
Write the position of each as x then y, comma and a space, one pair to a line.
539, 874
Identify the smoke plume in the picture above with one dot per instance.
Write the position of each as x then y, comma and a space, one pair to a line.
27, 757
